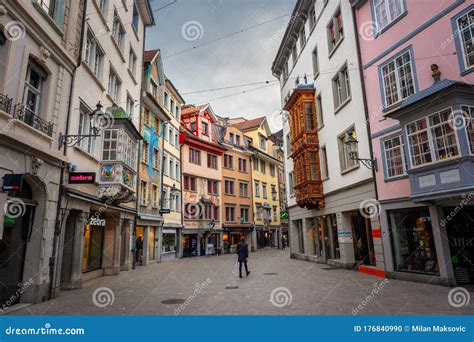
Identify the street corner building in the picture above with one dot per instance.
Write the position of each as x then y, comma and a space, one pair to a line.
69, 149
159, 221
328, 184
418, 64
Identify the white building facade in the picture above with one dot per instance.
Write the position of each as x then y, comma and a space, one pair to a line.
319, 51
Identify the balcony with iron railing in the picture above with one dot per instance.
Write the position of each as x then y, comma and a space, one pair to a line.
23, 113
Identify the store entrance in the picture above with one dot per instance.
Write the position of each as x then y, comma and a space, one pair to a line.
190, 245
363, 241
17, 230
461, 242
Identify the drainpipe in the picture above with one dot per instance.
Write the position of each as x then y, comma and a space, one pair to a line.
58, 224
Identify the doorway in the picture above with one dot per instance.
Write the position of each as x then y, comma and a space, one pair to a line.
362, 237
17, 229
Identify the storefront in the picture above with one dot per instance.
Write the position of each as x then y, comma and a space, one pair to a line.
412, 238
190, 245
169, 244
93, 243
460, 232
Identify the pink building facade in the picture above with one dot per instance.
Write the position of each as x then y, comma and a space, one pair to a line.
417, 58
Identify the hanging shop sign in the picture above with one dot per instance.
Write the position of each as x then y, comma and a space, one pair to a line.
12, 182
81, 178
284, 215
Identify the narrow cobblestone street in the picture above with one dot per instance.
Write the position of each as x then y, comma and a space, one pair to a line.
315, 289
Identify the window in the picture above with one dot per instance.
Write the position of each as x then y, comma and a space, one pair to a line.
275, 217
243, 189
432, 139
212, 187
132, 62
288, 144
312, 17
465, 26
412, 234
177, 112
255, 164
170, 135
243, 165
386, 11
166, 99
115, 85
176, 140
237, 140
109, 147
146, 149
147, 117
393, 151
54, 9
259, 211
228, 161
274, 193
469, 117
189, 183
165, 165
156, 158
263, 143
264, 190
178, 173
324, 163
335, 30
130, 106
103, 6
310, 119
118, 31
257, 188
319, 111
136, 18
229, 213
93, 54
194, 156
172, 106
205, 128
341, 87
231, 138
244, 214
315, 63
229, 187
291, 182
397, 79
171, 168
165, 199
154, 195
313, 166
33, 91
86, 144
262, 166
346, 162
272, 170
302, 38
143, 192
153, 88
212, 161
294, 54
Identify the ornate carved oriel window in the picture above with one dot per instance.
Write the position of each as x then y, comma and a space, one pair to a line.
305, 147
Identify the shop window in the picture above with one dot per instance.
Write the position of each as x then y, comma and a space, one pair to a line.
93, 244
169, 242
412, 238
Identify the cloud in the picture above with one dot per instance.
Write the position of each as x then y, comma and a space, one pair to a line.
240, 59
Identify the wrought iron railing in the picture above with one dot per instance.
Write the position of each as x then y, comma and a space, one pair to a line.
23, 113
5, 103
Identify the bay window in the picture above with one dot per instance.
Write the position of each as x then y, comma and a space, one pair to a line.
468, 112
432, 138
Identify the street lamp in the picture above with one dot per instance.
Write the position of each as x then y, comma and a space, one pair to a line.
94, 119
353, 151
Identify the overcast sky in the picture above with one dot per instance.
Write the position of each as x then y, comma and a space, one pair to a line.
241, 59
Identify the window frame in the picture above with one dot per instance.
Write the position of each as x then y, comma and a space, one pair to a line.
377, 29
386, 159
459, 42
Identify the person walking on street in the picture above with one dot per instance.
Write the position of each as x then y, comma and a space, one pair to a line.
243, 256
139, 248
283, 242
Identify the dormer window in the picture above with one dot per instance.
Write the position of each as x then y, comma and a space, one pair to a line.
205, 128
263, 143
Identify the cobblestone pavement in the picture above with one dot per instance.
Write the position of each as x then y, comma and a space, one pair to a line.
312, 289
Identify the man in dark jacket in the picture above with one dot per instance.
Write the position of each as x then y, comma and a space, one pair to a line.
243, 254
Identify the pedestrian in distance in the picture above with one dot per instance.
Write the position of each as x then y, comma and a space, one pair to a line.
283, 242
139, 248
243, 256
